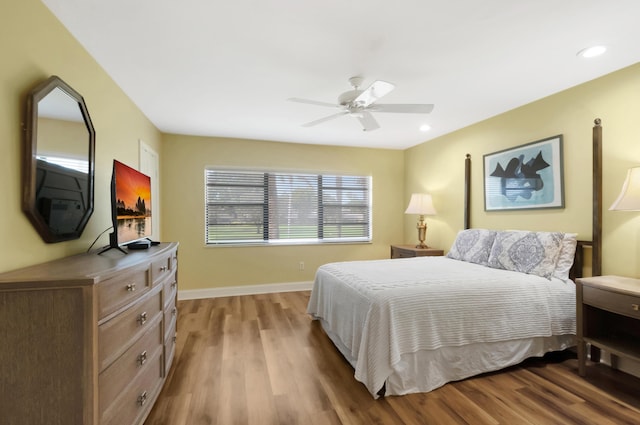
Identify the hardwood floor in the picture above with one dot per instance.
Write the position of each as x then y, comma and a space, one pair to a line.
261, 360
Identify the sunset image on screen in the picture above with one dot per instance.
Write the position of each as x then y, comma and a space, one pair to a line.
133, 192
132, 197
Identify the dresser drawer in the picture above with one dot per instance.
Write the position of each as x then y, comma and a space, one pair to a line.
161, 268
121, 289
626, 305
170, 289
138, 397
170, 318
118, 334
408, 251
132, 363
397, 252
169, 346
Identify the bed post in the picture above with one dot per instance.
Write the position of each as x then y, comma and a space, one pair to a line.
597, 200
467, 191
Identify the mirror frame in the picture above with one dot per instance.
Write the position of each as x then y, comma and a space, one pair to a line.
30, 145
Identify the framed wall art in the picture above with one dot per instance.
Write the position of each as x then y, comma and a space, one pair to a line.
529, 176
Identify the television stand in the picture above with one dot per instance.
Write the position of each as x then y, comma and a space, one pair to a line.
113, 243
141, 244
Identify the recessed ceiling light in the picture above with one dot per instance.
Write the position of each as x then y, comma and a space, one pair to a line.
425, 127
591, 52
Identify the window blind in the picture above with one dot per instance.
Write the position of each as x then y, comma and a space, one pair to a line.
275, 207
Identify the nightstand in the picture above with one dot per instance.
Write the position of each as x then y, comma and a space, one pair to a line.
406, 251
608, 317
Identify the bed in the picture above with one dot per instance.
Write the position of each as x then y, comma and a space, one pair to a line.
413, 324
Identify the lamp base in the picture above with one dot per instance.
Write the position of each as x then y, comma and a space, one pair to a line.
422, 233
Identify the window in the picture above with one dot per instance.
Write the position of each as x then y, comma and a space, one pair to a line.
273, 207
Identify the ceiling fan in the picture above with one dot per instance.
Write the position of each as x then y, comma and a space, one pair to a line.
360, 103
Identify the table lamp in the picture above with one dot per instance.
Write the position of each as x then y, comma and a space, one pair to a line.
421, 204
629, 198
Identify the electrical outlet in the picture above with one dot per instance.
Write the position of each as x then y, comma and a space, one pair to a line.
301, 265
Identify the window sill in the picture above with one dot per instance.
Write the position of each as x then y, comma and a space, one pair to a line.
282, 244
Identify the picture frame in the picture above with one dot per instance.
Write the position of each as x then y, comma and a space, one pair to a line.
528, 176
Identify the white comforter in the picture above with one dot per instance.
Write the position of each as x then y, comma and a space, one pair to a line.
379, 311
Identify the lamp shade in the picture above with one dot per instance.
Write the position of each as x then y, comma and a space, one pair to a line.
629, 198
422, 204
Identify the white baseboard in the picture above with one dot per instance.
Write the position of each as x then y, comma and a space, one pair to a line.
228, 291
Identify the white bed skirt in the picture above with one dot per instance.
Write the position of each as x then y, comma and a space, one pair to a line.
448, 364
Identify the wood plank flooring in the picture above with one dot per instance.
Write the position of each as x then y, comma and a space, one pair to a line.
260, 360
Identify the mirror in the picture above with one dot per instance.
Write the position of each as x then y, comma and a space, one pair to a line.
58, 168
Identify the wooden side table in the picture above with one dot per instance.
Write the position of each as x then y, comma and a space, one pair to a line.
608, 317
407, 251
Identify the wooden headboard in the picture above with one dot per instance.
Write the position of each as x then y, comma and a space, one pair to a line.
596, 239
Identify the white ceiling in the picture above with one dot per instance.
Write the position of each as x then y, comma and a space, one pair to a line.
227, 68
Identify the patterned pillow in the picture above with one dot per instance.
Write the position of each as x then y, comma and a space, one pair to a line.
473, 246
527, 252
566, 257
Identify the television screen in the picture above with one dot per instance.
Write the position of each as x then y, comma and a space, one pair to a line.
130, 206
132, 197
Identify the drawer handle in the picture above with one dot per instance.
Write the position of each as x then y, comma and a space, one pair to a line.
142, 358
142, 319
163, 268
174, 284
131, 287
175, 338
174, 311
635, 307
142, 398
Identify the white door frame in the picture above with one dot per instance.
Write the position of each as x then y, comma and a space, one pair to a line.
149, 163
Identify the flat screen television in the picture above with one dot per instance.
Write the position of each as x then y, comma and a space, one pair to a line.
130, 208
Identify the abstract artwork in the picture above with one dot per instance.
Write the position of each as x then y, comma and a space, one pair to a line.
525, 177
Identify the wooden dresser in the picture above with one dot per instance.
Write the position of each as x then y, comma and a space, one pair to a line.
87, 339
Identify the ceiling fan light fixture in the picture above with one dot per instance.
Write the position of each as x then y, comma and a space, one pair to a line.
356, 81
360, 103
592, 52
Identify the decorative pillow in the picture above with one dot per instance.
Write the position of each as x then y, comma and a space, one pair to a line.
566, 257
473, 246
527, 252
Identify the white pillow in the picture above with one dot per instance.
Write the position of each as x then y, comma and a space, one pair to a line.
473, 246
527, 252
566, 256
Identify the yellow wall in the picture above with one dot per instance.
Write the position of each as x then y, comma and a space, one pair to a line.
438, 167
183, 164
33, 46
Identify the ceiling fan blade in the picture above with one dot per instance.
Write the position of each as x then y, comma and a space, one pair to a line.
374, 92
367, 120
407, 108
321, 120
312, 102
